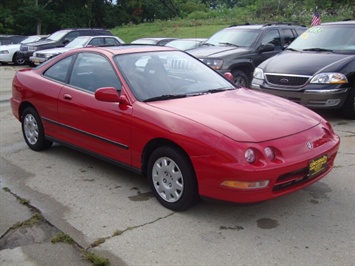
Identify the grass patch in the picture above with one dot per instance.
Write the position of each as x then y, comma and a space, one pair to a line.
98, 242
62, 238
96, 260
35, 219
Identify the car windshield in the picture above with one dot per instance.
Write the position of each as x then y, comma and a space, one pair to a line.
167, 75
78, 42
30, 39
57, 35
234, 37
326, 38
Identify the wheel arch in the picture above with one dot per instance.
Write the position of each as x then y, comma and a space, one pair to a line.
159, 142
23, 106
246, 67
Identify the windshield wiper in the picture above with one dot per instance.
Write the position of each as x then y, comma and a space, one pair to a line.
291, 49
318, 50
165, 97
208, 44
229, 44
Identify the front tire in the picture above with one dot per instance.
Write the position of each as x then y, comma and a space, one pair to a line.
18, 60
240, 78
172, 178
348, 109
32, 130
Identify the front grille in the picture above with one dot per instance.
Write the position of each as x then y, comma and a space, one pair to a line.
287, 81
296, 178
23, 48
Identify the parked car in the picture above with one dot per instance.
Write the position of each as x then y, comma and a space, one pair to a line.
186, 43
58, 39
79, 42
11, 39
161, 41
160, 112
317, 70
240, 48
9, 53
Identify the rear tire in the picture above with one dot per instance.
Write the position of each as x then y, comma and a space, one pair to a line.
172, 178
32, 130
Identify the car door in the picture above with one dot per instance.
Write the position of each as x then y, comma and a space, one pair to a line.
270, 37
102, 128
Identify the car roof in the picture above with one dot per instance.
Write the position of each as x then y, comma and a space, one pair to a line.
259, 26
127, 49
344, 22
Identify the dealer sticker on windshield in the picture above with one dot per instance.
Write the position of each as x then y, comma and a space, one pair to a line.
318, 166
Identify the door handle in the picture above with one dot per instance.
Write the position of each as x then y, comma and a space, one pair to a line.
67, 96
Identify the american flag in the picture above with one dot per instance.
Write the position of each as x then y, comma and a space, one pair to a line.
316, 18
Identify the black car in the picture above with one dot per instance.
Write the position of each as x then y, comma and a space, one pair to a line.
58, 39
317, 70
240, 48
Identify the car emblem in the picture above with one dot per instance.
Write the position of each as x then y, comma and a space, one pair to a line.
309, 145
284, 80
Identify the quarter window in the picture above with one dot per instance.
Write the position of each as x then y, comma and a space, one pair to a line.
59, 70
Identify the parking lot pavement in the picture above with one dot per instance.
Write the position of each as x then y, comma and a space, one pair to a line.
112, 213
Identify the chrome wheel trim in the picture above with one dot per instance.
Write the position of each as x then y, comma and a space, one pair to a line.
31, 129
168, 179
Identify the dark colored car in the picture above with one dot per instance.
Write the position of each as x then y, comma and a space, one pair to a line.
240, 48
317, 70
160, 112
11, 39
161, 41
58, 39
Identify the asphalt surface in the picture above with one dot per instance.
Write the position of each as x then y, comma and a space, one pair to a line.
111, 213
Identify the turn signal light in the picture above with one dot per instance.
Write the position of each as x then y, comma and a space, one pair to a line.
245, 185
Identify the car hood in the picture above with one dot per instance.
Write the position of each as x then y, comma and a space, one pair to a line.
216, 51
55, 50
243, 115
9, 47
303, 63
40, 43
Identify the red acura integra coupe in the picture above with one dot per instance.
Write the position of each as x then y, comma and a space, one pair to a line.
162, 113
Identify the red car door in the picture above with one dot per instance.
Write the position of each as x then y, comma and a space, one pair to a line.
102, 128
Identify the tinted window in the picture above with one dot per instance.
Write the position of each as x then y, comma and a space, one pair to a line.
92, 71
272, 37
59, 70
288, 36
71, 36
97, 41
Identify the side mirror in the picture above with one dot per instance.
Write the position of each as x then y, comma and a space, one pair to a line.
108, 94
266, 48
228, 76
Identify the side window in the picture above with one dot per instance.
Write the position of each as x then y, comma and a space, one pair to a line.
273, 37
59, 70
70, 36
288, 36
96, 41
111, 41
92, 71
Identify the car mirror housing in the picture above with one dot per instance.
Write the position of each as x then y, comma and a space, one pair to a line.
107, 94
266, 48
228, 76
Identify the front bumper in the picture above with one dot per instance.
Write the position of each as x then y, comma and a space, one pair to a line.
6, 58
290, 172
37, 60
312, 96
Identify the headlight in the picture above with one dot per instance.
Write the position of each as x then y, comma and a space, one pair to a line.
32, 48
329, 78
213, 63
50, 55
249, 155
4, 52
258, 73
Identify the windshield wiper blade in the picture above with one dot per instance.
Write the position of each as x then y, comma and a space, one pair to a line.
208, 44
219, 90
165, 97
318, 50
291, 49
229, 44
